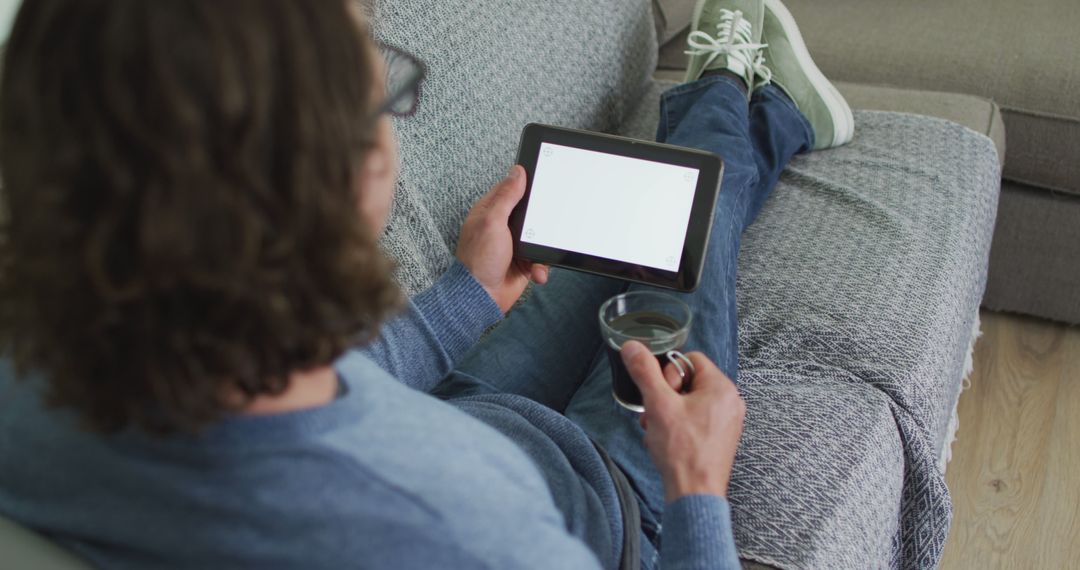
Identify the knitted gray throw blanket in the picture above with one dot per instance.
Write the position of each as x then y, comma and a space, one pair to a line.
857, 292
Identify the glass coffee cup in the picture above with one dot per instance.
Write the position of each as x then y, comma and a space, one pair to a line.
659, 321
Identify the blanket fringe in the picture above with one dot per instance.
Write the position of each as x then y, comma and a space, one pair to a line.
954, 419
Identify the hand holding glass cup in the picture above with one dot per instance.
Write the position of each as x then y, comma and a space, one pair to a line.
660, 322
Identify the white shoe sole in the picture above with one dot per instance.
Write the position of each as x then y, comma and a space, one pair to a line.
695, 19
843, 121
699, 7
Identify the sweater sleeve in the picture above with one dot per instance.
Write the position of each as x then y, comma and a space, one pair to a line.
421, 346
698, 535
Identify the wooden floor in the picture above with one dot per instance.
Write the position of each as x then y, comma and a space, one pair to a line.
1015, 472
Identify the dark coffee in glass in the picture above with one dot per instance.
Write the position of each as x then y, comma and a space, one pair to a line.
659, 321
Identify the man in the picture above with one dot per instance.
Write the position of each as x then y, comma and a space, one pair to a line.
193, 190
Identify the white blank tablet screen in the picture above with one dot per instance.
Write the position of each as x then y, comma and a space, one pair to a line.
620, 208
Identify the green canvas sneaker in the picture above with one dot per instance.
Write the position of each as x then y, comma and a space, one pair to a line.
793, 71
725, 34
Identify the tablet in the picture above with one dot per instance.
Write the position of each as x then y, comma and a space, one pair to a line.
614, 206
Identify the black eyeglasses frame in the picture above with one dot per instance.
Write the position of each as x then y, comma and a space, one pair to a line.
409, 90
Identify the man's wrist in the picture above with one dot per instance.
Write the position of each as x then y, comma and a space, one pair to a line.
489, 290
458, 309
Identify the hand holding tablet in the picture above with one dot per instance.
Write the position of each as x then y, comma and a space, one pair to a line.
615, 206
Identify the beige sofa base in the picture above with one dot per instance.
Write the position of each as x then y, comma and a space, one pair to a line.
1035, 259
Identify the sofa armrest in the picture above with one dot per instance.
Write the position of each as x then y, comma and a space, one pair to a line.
976, 113
23, 548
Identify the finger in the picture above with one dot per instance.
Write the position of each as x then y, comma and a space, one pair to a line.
517, 276
507, 193
645, 371
674, 379
540, 273
487, 201
523, 267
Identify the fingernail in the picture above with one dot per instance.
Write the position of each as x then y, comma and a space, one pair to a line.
514, 172
631, 349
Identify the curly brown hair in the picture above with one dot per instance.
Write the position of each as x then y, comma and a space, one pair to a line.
179, 213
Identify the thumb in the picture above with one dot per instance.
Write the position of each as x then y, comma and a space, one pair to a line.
508, 192
645, 370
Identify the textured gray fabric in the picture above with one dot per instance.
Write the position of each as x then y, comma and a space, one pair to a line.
858, 285
493, 66
858, 289
1035, 260
869, 268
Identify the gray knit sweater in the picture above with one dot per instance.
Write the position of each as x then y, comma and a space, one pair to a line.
385, 476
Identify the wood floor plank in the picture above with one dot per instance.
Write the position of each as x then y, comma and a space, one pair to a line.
1059, 506
1015, 474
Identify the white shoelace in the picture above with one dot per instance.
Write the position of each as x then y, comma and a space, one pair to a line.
733, 39
762, 73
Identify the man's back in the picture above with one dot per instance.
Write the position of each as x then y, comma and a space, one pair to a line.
365, 481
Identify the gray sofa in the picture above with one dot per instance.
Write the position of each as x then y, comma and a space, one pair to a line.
1022, 56
859, 285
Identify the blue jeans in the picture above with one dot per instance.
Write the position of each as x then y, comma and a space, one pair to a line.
550, 348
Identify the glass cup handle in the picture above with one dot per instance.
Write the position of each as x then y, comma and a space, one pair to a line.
685, 368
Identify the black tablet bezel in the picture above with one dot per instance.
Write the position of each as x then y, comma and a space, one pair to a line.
695, 244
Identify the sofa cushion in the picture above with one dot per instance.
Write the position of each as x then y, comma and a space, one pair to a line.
1020, 54
976, 113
